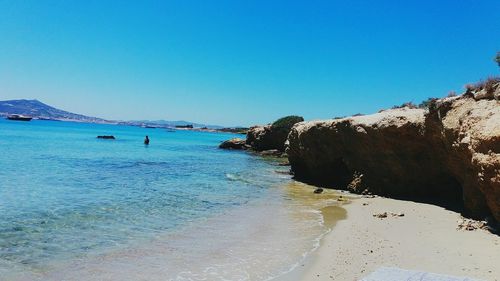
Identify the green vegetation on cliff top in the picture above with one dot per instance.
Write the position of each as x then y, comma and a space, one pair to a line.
287, 121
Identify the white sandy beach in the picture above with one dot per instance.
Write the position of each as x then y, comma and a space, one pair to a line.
426, 238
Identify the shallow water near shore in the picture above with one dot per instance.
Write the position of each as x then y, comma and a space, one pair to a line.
74, 207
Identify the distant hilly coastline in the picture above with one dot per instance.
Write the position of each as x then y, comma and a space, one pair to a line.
39, 110
42, 111
169, 124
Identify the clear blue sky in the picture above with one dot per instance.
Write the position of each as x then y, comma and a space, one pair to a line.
242, 62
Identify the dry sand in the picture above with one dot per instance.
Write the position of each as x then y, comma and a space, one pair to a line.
425, 238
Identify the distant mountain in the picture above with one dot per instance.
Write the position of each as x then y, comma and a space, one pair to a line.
39, 110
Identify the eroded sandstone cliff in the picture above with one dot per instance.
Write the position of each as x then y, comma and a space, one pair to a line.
450, 151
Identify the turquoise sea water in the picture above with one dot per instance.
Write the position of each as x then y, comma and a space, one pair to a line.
75, 207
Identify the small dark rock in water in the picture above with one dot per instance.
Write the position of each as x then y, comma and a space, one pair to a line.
318, 190
106, 137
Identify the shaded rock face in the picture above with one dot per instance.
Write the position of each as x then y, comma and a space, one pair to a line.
235, 143
265, 138
368, 151
273, 136
450, 152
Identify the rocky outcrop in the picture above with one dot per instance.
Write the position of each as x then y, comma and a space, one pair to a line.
272, 136
235, 143
450, 151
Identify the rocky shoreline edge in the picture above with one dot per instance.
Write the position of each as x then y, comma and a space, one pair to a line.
446, 153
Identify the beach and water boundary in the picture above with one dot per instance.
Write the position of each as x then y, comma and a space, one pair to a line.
91, 209
323, 236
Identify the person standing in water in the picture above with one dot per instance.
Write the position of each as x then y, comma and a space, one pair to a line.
146, 140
